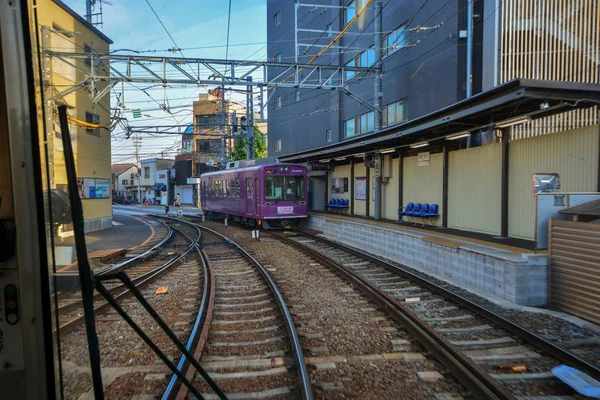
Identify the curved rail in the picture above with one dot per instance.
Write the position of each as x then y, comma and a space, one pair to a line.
139, 281
469, 374
561, 354
297, 349
117, 267
174, 386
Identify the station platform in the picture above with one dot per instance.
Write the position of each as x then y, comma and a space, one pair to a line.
508, 272
127, 233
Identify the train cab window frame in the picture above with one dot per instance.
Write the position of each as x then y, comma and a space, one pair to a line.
284, 188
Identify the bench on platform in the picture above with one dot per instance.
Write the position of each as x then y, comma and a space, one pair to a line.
418, 210
337, 205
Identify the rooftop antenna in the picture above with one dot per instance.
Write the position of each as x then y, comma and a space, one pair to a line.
94, 18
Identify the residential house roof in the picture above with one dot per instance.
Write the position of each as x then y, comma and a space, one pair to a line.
118, 169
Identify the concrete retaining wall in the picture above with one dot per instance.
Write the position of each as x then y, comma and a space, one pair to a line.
521, 279
92, 225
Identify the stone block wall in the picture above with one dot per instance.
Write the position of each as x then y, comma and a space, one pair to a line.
519, 279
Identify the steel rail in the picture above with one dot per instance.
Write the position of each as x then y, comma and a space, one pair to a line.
77, 303
297, 349
561, 354
467, 372
175, 386
117, 267
139, 281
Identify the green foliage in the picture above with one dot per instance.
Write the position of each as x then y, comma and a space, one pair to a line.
260, 147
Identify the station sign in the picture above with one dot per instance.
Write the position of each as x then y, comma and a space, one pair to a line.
193, 181
317, 166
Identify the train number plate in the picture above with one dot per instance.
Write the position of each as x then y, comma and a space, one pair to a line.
285, 210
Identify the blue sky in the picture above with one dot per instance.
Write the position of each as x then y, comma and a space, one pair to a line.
192, 23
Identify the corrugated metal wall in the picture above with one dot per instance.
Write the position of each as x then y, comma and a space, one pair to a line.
554, 40
575, 268
572, 154
423, 184
475, 189
360, 206
390, 191
339, 171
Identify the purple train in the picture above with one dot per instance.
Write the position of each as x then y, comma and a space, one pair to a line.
275, 194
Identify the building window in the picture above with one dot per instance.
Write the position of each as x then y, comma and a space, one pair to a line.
395, 40
131, 181
297, 95
395, 113
278, 102
277, 18
92, 119
277, 145
362, 124
328, 135
146, 172
124, 181
367, 58
209, 121
88, 61
277, 58
349, 12
329, 30
349, 74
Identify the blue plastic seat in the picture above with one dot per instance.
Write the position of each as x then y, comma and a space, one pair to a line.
433, 212
416, 210
407, 211
424, 211
345, 205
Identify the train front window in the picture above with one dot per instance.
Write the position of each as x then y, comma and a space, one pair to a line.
284, 188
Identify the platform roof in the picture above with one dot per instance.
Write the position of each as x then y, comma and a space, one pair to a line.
515, 99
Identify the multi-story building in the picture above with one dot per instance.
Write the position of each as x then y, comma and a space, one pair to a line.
61, 29
432, 57
206, 143
123, 178
151, 189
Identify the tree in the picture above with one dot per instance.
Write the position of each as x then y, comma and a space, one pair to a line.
239, 150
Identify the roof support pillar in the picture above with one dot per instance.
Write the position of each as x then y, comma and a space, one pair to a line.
400, 179
351, 185
445, 185
378, 161
504, 191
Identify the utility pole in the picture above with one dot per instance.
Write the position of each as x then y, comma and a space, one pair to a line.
249, 122
137, 142
88, 10
223, 150
377, 103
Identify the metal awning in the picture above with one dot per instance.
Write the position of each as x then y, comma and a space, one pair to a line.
515, 99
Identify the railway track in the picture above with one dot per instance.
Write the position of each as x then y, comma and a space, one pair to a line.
145, 267
244, 335
479, 347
